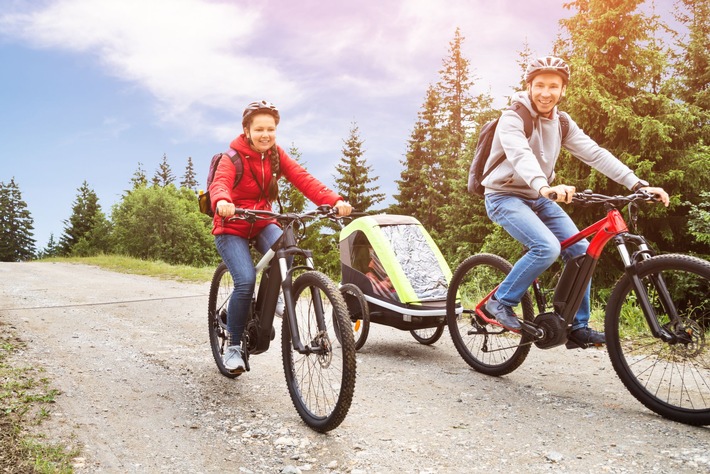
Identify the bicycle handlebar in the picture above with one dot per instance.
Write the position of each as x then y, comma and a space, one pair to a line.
252, 215
588, 197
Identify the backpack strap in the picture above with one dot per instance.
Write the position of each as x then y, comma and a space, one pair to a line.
238, 164
524, 114
564, 123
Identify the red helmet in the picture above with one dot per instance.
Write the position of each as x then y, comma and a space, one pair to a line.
261, 106
547, 64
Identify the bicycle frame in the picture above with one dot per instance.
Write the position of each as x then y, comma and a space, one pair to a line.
577, 272
275, 277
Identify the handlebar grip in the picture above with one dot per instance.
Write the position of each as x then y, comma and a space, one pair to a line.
552, 196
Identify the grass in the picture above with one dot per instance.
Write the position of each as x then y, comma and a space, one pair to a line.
122, 264
25, 398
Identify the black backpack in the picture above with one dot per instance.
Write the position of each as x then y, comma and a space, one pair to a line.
485, 141
204, 197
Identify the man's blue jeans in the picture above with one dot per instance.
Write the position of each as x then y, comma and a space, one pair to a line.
234, 251
540, 225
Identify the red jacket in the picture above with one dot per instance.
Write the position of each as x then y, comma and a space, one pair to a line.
248, 193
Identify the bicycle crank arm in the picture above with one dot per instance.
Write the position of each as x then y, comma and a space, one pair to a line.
532, 330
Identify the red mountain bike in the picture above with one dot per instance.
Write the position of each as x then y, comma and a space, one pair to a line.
657, 318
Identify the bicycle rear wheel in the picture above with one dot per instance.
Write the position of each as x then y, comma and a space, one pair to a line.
220, 292
488, 348
671, 379
321, 382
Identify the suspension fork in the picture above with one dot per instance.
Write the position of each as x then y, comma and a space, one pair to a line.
289, 302
631, 269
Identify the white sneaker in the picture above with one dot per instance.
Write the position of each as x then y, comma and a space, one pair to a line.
280, 306
233, 360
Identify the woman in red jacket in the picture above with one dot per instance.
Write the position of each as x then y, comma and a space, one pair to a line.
264, 162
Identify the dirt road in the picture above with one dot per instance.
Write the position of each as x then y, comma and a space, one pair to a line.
140, 393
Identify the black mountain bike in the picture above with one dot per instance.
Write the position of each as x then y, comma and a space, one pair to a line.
316, 338
657, 319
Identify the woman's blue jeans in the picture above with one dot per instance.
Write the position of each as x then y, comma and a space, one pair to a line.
540, 225
234, 251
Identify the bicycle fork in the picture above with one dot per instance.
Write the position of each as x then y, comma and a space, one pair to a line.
289, 302
657, 281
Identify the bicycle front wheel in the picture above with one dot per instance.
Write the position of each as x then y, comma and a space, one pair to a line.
488, 348
670, 378
321, 381
220, 291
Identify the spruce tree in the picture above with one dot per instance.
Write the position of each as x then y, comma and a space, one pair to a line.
189, 179
420, 186
87, 224
292, 199
618, 94
16, 225
139, 179
164, 174
354, 181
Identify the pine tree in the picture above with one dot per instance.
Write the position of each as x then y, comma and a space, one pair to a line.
617, 95
164, 174
139, 179
354, 179
693, 66
292, 199
189, 179
87, 225
16, 225
52, 248
421, 182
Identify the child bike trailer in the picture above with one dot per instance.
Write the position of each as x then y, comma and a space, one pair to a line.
393, 274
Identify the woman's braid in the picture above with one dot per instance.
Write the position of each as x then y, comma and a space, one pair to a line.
273, 191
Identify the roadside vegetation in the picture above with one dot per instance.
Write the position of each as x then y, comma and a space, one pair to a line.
26, 397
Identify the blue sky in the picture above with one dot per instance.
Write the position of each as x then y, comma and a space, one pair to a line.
90, 88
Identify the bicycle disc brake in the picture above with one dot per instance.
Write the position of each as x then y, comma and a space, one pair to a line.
554, 330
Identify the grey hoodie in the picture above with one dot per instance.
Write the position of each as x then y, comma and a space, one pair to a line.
530, 164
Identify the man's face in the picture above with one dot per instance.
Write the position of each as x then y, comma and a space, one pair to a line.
546, 89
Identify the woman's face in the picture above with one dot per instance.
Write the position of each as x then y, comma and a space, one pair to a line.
261, 132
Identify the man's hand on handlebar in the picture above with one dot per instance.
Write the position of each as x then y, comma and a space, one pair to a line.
559, 193
658, 193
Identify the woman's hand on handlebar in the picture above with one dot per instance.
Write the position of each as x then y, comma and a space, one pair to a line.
343, 208
559, 193
658, 193
224, 208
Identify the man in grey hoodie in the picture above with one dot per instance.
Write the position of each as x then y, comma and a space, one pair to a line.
518, 191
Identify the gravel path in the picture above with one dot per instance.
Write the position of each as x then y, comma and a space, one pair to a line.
140, 393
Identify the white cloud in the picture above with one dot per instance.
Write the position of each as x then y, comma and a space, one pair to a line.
192, 56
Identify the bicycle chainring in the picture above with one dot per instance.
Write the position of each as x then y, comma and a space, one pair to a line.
554, 330
251, 335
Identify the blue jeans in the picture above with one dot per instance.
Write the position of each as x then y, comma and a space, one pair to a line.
540, 225
234, 251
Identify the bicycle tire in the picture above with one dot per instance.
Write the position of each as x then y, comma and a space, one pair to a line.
359, 313
428, 336
321, 386
487, 348
672, 380
220, 291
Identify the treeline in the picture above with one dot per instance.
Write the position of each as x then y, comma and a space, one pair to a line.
638, 88
159, 219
